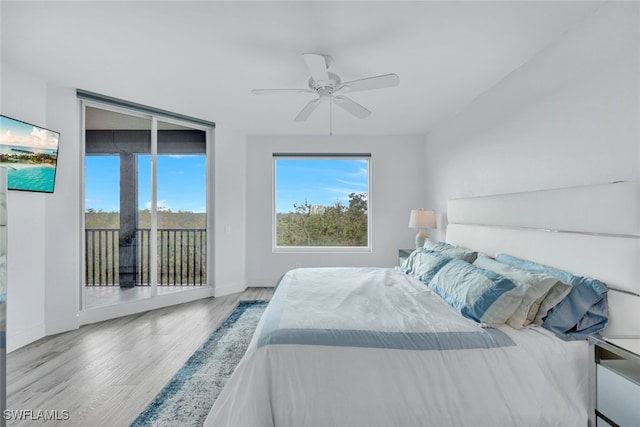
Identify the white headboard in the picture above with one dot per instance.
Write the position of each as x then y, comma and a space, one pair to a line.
590, 230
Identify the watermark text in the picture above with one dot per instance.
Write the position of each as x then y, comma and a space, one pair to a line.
35, 415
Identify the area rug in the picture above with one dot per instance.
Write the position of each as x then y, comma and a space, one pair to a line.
187, 399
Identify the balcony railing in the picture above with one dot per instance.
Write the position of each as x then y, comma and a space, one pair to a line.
182, 255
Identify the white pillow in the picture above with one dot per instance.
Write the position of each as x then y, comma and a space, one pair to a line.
544, 291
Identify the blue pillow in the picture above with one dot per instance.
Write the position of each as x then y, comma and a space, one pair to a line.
451, 250
584, 310
434, 246
478, 294
423, 264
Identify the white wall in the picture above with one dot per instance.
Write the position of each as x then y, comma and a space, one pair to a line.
571, 116
23, 98
44, 229
396, 168
230, 189
42, 251
62, 217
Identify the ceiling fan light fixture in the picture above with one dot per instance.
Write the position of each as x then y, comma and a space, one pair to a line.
332, 83
328, 85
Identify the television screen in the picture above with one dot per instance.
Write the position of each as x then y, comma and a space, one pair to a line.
30, 153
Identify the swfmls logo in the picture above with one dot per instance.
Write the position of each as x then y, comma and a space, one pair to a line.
37, 415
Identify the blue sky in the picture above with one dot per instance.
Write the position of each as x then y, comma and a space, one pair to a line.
318, 181
181, 182
17, 133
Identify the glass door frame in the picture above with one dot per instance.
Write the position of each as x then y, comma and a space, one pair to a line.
209, 188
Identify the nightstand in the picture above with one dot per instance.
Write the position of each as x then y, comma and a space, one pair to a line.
615, 381
403, 254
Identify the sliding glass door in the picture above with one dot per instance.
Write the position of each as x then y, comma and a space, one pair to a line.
145, 202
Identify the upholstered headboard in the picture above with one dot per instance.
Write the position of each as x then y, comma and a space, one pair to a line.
589, 230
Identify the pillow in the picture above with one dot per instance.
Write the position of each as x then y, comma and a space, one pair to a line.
582, 312
448, 249
434, 246
537, 300
424, 264
478, 294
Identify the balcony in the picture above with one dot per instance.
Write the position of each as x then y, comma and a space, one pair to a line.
182, 255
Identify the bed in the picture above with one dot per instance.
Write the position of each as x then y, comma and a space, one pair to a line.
393, 347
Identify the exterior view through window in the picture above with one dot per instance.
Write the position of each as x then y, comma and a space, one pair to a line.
321, 201
144, 229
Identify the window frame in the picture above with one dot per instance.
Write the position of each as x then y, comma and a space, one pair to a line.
320, 249
155, 116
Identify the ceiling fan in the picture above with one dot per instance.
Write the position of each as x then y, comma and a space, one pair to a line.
329, 86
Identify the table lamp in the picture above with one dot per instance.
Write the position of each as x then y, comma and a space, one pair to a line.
422, 220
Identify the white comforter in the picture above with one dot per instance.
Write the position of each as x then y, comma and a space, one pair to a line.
374, 347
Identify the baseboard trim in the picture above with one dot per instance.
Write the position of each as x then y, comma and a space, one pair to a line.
20, 339
61, 325
132, 307
221, 291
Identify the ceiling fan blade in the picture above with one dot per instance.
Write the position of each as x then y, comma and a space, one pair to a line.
317, 65
307, 110
351, 106
279, 91
377, 82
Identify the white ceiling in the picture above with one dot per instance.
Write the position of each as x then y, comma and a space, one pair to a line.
202, 58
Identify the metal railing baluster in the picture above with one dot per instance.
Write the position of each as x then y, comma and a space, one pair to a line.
181, 257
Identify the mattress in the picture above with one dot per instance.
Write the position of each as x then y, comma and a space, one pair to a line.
375, 347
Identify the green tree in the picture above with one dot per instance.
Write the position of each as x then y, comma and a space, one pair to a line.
335, 225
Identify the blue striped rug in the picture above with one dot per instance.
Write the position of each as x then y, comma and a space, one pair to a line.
187, 399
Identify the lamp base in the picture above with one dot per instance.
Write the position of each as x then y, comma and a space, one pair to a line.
420, 238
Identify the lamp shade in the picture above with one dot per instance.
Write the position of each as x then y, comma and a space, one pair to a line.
422, 219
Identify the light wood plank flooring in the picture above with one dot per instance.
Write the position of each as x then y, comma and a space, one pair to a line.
105, 374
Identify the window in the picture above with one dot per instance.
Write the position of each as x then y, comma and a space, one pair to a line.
145, 204
321, 202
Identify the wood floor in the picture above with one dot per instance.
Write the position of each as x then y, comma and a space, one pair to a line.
106, 373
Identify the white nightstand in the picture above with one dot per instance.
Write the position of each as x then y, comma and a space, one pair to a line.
615, 381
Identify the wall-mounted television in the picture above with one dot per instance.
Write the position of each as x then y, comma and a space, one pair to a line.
30, 153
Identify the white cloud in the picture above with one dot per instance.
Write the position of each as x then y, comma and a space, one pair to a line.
342, 191
162, 205
29, 136
7, 138
357, 184
363, 172
42, 138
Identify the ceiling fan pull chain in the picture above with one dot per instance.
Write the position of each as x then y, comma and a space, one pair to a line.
331, 115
